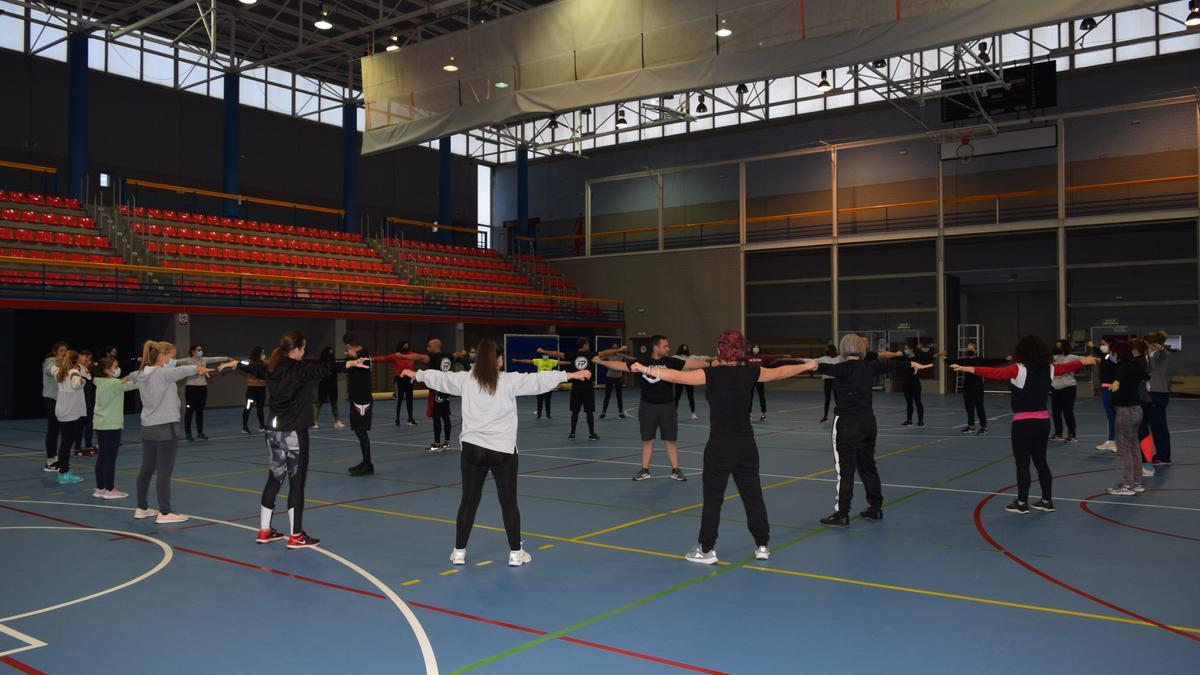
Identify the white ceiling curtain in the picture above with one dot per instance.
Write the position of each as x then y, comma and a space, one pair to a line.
574, 54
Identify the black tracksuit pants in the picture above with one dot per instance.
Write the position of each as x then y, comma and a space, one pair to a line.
854, 451
736, 457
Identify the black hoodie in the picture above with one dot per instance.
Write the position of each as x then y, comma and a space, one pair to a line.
290, 389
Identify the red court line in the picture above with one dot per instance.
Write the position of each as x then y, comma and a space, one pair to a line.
1054, 580
359, 591
24, 668
1084, 505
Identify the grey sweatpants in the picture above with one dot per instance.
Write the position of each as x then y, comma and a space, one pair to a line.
158, 456
1129, 418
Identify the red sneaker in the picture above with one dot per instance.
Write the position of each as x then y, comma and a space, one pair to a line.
267, 536
302, 540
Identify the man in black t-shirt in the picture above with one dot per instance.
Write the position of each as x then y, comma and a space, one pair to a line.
362, 402
656, 413
582, 394
438, 406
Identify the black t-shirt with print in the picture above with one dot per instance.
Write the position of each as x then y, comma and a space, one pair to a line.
655, 390
577, 361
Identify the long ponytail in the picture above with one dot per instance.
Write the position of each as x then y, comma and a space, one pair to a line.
485, 371
69, 360
151, 349
290, 340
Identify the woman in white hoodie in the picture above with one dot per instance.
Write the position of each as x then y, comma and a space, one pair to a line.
49, 395
70, 407
489, 436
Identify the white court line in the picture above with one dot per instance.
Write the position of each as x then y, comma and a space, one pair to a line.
431, 667
892, 485
30, 641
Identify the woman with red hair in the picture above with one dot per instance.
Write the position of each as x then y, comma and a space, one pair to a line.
731, 450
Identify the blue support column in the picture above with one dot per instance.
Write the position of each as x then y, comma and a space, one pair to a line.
77, 113
231, 147
523, 198
350, 167
445, 188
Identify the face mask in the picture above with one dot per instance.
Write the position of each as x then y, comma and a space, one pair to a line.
170, 363
924, 349
1103, 349
117, 372
754, 350
199, 353
472, 356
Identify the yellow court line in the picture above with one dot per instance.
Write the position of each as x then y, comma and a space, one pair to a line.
690, 507
448, 572
410, 582
966, 598
484, 563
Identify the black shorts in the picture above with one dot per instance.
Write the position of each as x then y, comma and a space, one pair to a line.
658, 417
583, 398
360, 419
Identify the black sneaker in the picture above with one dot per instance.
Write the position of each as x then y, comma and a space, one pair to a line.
642, 474
356, 467
920, 423
1017, 507
872, 514
906, 423
51, 466
412, 423
201, 436
571, 436
262, 430
189, 437
1056, 437
549, 417
1070, 439
397, 422
983, 431
823, 420
836, 519
435, 447
603, 415
445, 445
1043, 505
969, 429
302, 540
677, 474
593, 437
763, 417
622, 416
539, 416
363, 470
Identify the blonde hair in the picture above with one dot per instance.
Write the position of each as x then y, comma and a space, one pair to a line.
69, 360
151, 350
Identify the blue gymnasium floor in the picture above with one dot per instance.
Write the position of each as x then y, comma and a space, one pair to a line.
948, 583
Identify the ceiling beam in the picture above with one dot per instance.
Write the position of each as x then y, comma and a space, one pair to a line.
165, 12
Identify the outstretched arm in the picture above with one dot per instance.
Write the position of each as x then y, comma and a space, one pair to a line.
692, 377
608, 352
784, 372
551, 353
528, 362
619, 366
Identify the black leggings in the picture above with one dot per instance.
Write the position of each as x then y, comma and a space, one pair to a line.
737, 458
691, 392
404, 393
591, 421
912, 396
609, 387
1029, 441
51, 427
288, 452
326, 394
762, 398
546, 399
68, 436
476, 462
973, 402
255, 396
441, 419
1062, 403
829, 394
195, 398
106, 463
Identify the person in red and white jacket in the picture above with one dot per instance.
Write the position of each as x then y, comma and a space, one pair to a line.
1029, 379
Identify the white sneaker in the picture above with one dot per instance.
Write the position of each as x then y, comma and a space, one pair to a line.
169, 518
518, 558
139, 514
51, 466
1121, 491
1147, 471
114, 494
1138, 488
695, 416
458, 556
99, 494
1108, 445
696, 555
314, 427
762, 553
339, 425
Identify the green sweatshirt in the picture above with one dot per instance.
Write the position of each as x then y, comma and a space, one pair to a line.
110, 403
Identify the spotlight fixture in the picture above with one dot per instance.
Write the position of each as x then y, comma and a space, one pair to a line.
1088, 24
394, 37
500, 84
322, 22
393, 48
723, 30
248, 2
586, 111
983, 54
621, 119
553, 122
824, 86
879, 64
451, 66
701, 108
1193, 17
742, 90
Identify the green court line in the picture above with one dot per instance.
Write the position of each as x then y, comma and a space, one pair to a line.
548, 637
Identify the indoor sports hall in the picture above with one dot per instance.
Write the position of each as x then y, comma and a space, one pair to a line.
599, 336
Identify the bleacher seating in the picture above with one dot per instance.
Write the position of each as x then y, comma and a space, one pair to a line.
39, 200
236, 223
461, 268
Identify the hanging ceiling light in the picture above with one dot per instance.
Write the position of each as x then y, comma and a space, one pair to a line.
1193, 17
621, 119
983, 54
823, 86
393, 48
1087, 24
451, 66
248, 2
879, 64
701, 108
322, 22
723, 30
553, 121
500, 84
742, 90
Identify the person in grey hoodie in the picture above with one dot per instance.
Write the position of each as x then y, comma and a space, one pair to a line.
156, 380
49, 400
195, 391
